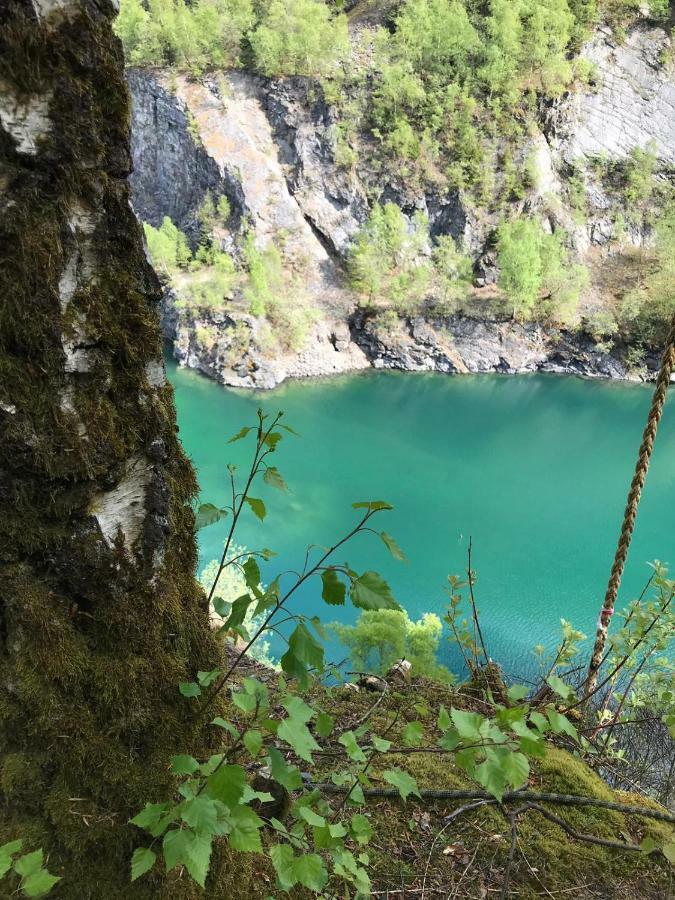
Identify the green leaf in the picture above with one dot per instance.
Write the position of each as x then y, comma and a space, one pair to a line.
561, 724
245, 828
287, 776
201, 814
334, 590
252, 573
444, 720
198, 857
227, 726
311, 817
239, 435
375, 505
227, 785
253, 742
490, 774
349, 742
516, 768
361, 829
296, 734
324, 724
141, 862
669, 852
29, 863
404, 782
412, 734
370, 591
257, 506
531, 742
6, 853
150, 815
540, 722
208, 514
238, 611
648, 845
184, 765
273, 477
392, 546
380, 744
304, 646
282, 860
468, 724
207, 678
39, 883
189, 689
561, 689
310, 871
517, 692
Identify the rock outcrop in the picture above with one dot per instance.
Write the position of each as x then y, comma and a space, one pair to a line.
272, 147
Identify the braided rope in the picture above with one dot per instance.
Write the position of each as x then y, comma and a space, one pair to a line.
509, 796
630, 514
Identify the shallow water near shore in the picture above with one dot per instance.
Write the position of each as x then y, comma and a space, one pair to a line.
535, 469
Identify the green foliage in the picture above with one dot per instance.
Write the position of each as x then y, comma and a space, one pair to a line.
168, 247
535, 271
192, 36
297, 37
387, 262
649, 306
26, 871
381, 637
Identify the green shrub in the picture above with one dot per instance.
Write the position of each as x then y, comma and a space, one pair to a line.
379, 638
297, 37
536, 272
168, 247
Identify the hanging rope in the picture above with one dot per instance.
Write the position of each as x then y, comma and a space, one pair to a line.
644, 457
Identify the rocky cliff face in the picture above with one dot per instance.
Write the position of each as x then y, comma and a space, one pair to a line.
270, 146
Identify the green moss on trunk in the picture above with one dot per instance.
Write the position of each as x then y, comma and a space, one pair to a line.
96, 631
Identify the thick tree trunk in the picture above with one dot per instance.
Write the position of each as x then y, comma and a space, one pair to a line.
100, 617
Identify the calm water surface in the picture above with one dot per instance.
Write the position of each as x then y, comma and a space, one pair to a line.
534, 468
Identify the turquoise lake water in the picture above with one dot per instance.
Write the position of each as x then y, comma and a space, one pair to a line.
534, 468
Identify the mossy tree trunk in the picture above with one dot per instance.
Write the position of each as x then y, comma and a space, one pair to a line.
100, 617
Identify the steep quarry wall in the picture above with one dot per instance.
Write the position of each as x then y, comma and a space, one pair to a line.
269, 145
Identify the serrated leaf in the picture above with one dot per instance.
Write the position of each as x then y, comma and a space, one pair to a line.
245, 828
239, 435
287, 776
251, 571
150, 815
253, 742
468, 724
560, 724
208, 514
296, 734
349, 742
207, 678
273, 477
258, 507
184, 765
669, 852
227, 785
361, 829
560, 687
333, 591
282, 859
380, 744
39, 883
6, 852
370, 591
517, 692
201, 814
412, 734
142, 861
402, 781
324, 724
444, 720
310, 872
227, 726
29, 863
311, 817
189, 689
392, 546
238, 611
198, 856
